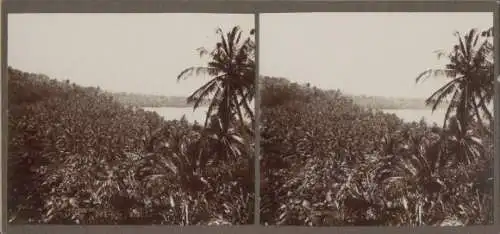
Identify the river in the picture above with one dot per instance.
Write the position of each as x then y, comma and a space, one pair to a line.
171, 113
409, 115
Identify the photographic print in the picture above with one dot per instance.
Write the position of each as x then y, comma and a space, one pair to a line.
131, 119
376, 119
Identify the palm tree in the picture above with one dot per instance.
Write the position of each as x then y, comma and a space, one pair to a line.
232, 87
470, 70
230, 91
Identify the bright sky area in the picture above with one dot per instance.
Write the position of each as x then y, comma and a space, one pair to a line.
359, 53
139, 53
377, 54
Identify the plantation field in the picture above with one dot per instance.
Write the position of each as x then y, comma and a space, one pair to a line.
75, 156
327, 161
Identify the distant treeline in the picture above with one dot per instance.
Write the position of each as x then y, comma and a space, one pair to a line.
145, 100
377, 102
365, 101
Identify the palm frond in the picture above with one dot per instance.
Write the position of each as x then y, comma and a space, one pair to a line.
188, 72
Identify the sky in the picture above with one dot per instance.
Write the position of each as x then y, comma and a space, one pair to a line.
377, 54
137, 53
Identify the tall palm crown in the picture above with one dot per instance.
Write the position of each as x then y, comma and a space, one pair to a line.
232, 71
470, 70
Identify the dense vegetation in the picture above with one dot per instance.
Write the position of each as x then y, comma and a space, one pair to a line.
75, 155
328, 161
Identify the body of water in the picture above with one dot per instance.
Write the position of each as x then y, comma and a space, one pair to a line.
430, 117
172, 113
410, 115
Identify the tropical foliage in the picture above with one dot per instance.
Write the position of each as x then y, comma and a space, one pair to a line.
329, 161
470, 72
232, 68
76, 156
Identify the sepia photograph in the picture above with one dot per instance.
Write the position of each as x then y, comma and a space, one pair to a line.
376, 119
144, 119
